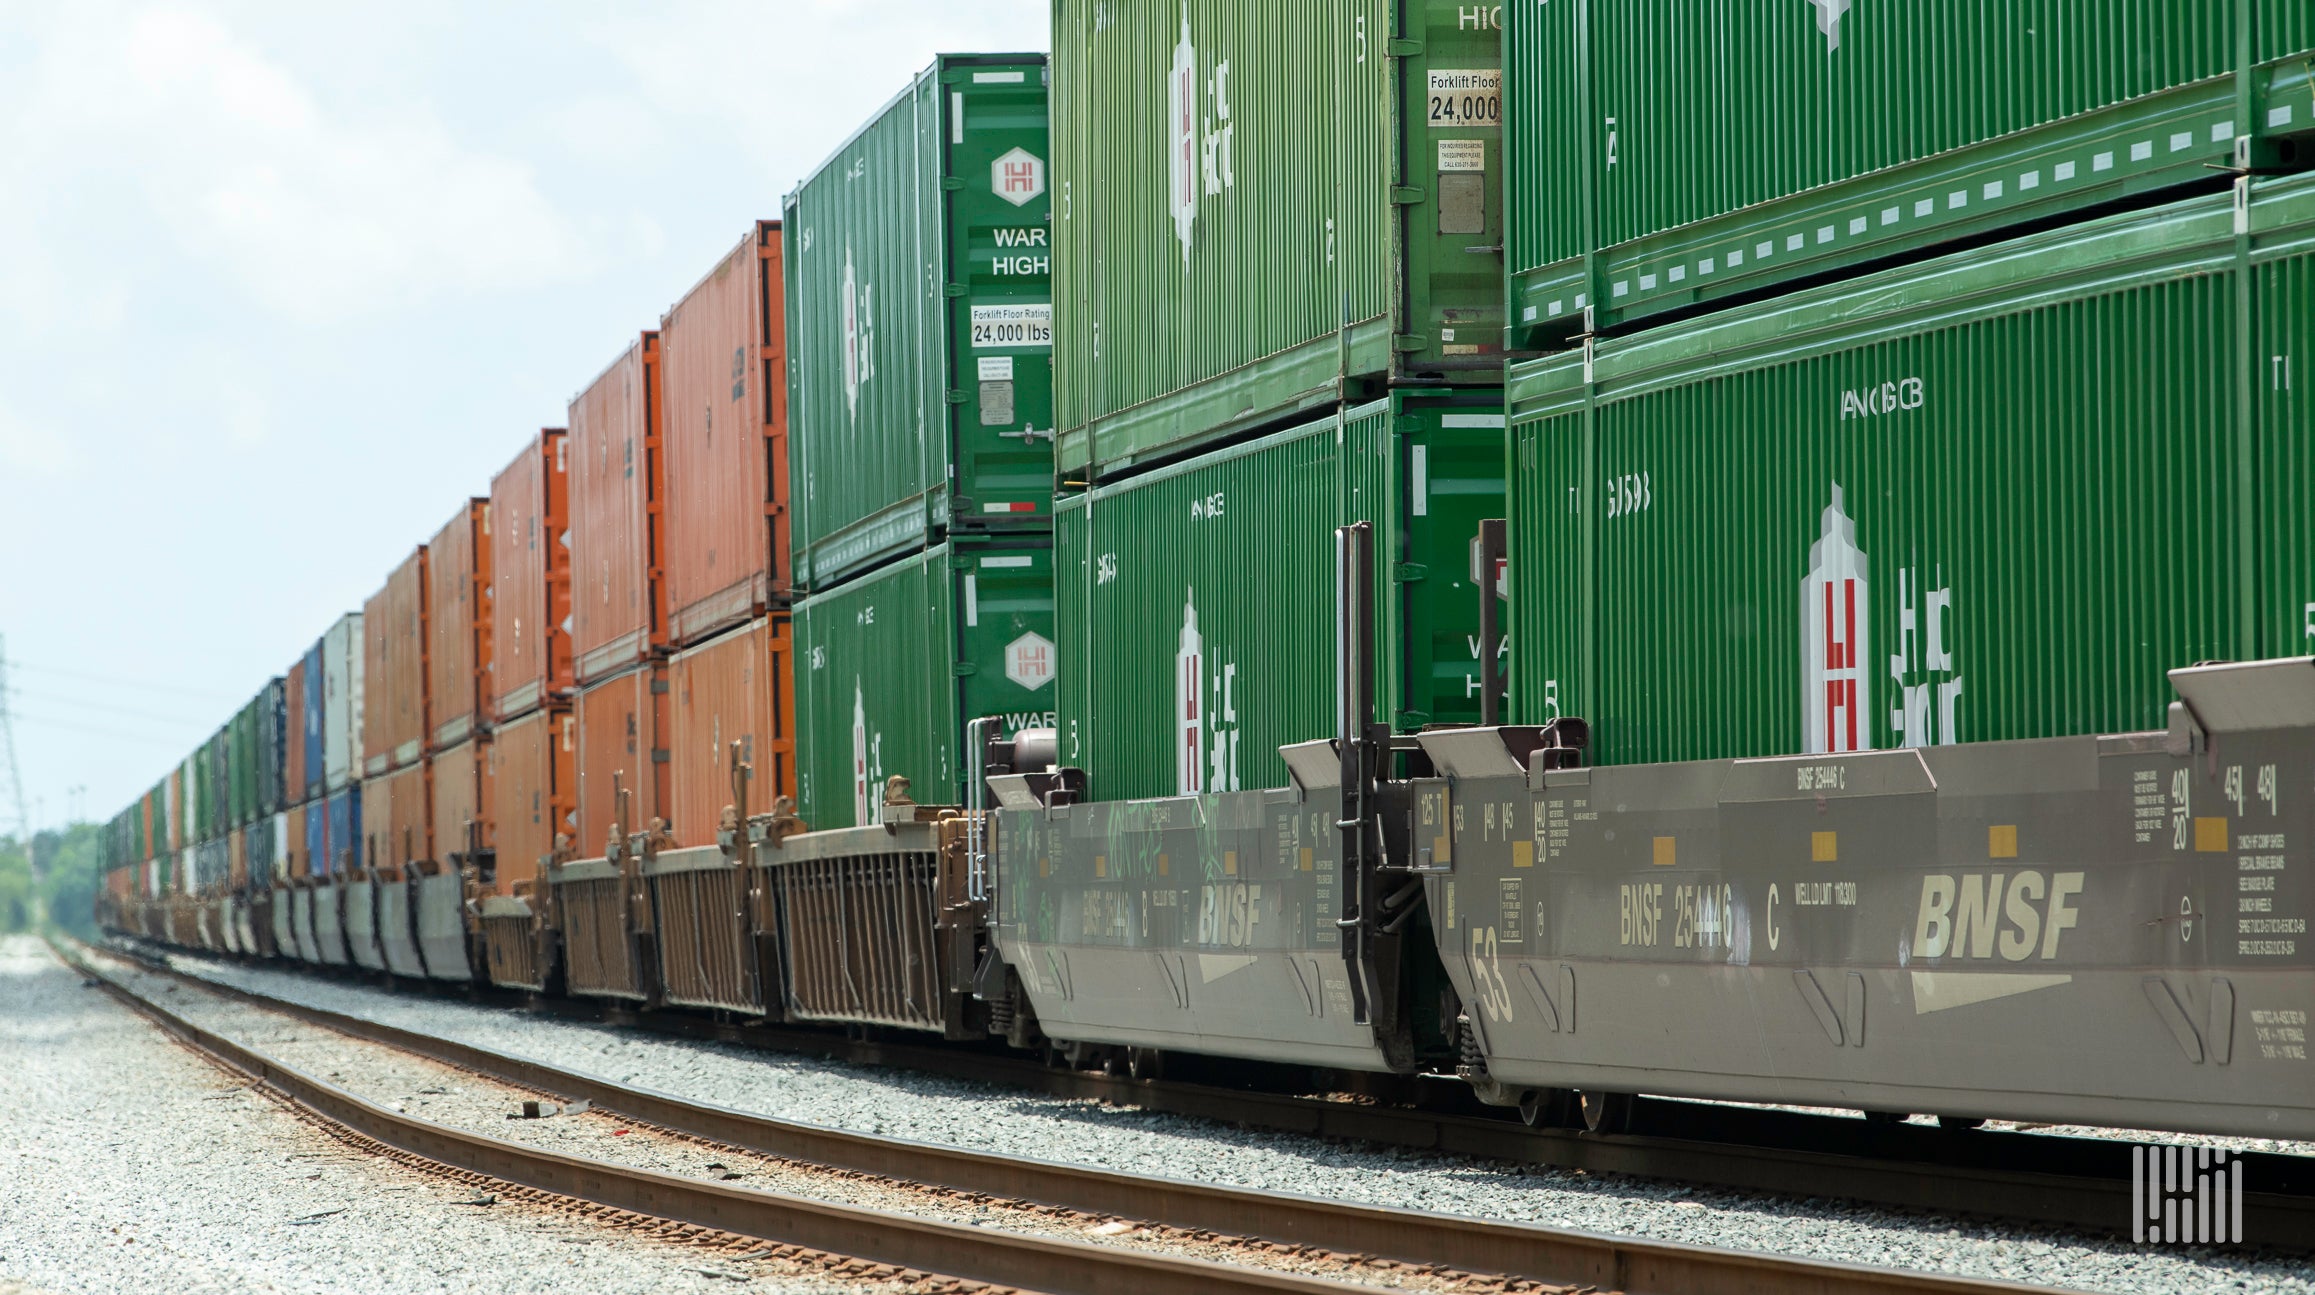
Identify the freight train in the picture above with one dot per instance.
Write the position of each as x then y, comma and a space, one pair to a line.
1409, 538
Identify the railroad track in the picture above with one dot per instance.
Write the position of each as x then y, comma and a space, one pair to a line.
1513, 1256
2070, 1182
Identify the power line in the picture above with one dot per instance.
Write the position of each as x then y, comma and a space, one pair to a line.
133, 712
117, 681
98, 731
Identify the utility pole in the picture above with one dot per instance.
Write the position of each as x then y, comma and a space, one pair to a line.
12, 786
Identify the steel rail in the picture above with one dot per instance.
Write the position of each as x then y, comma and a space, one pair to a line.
1556, 1256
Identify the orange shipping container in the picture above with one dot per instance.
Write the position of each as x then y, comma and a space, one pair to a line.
737, 688
462, 802
617, 611
726, 433
458, 624
293, 743
236, 859
619, 723
397, 821
530, 545
394, 670
530, 787
295, 861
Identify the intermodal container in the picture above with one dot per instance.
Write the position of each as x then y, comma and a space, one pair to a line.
257, 852
723, 351
619, 722
532, 781
1994, 497
1197, 603
293, 738
173, 789
341, 837
317, 838
394, 646
341, 703
892, 666
733, 697
1664, 157
918, 265
296, 854
459, 815
1259, 206
315, 776
246, 735
458, 625
397, 828
237, 858
272, 746
618, 608
531, 578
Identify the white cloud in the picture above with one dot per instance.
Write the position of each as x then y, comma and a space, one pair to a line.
314, 213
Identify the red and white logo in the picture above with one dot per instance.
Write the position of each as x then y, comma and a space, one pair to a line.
1836, 693
1018, 177
1029, 661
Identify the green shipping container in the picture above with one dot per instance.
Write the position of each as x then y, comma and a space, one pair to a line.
1260, 206
244, 772
1197, 602
892, 666
1994, 497
918, 271
1666, 154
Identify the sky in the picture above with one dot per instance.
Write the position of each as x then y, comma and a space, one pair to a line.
281, 284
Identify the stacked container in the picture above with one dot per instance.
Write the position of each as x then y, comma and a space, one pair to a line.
460, 670
340, 709
528, 782
919, 304
732, 698
1278, 310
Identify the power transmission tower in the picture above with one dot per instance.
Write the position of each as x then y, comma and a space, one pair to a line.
12, 786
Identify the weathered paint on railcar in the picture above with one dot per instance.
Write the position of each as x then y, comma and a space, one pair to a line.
1665, 155
918, 267
1261, 206
2110, 929
1196, 602
892, 666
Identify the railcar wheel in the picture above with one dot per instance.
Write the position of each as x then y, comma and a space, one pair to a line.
1541, 1108
1144, 1064
1607, 1112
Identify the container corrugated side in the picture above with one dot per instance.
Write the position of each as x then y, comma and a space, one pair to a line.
241, 766
272, 746
2282, 388
341, 832
394, 648
891, 667
315, 775
342, 702
293, 738
397, 826
532, 786
1197, 605
737, 688
620, 723
1695, 155
618, 613
1996, 497
1203, 148
724, 352
531, 578
296, 854
458, 625
919, 314
459, 821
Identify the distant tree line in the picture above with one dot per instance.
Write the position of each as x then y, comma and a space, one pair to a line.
72, 870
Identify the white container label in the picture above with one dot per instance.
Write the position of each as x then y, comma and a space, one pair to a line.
1016, 325
1462, 155
996, 368
1465, 97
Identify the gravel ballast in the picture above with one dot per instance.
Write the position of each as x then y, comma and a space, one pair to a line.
132, 1164
931, 1108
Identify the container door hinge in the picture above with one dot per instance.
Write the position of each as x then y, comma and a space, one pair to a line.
955, 290
1409, 572
1402, 47
1407, 343
1406, 195
964, 668
953, 184
956, 397
661, 755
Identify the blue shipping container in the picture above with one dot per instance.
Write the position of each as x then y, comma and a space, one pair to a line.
317, 840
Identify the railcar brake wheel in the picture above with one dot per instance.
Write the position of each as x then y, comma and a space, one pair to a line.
1547, 1108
